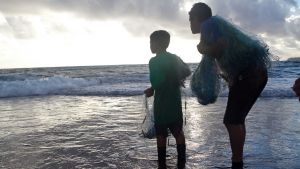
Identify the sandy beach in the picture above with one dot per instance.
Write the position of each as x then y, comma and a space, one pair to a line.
104, 132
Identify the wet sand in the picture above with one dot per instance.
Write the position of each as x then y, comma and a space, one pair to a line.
104, 132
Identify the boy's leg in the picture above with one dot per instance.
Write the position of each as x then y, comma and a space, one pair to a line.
177, 132
161, 151
161, 135
181, 155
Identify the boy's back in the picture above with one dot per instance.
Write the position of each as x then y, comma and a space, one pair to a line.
166, 72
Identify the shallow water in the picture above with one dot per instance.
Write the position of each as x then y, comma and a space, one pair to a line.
104, 132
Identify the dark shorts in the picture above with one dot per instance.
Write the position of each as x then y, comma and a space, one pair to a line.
243, 93
175, 128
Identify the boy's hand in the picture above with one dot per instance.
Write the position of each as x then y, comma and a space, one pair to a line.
149, 92
182, 83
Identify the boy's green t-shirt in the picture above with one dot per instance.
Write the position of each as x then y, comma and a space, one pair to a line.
166, 72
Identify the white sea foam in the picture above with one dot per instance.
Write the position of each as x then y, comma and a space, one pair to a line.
60, 85
122, 80
44, 86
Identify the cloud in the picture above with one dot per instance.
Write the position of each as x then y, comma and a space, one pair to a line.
22, 7
167, 9
21, 27
277, 21
141, 17
258, 16
133, 13
293, 27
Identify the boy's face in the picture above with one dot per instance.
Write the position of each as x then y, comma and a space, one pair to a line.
194, 24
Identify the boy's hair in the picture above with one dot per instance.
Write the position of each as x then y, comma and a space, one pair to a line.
162, 37
200, 11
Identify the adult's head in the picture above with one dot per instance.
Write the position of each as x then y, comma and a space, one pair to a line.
198, 13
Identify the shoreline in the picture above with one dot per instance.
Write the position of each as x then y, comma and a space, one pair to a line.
103, 132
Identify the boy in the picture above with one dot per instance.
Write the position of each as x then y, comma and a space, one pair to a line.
167, 74
243, 62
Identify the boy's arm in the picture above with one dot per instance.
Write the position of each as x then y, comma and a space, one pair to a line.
186, 71
150, 91
183, 72
157, 77
182, 69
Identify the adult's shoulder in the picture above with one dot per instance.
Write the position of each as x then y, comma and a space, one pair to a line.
210, 23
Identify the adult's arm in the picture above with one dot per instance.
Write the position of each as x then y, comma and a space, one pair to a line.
214, 49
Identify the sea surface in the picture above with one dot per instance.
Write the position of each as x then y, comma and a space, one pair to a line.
90, 117
119, 80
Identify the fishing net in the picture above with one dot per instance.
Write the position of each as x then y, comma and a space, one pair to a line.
205, 82
244, 50
148, 129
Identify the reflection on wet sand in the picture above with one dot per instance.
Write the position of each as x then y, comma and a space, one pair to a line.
103, 132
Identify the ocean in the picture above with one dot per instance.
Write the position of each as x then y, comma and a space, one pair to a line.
90, 117
120, 80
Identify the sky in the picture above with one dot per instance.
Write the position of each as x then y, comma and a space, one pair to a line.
47, 33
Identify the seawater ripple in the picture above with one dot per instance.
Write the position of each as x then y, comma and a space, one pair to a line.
116, 80
104, 132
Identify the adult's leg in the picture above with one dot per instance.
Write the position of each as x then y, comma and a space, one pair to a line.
242, 96
237, 135
234, 121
